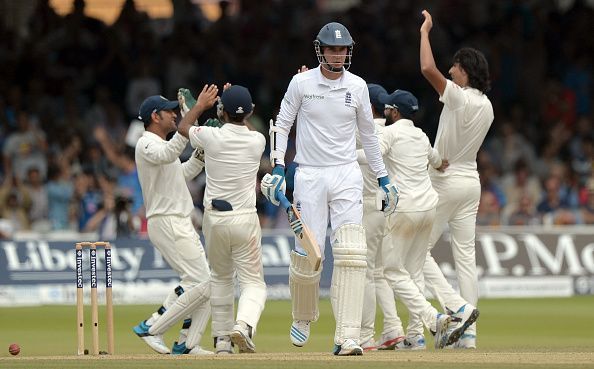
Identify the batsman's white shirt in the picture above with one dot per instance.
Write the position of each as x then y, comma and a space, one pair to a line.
330, 111
370, 185
231, 149
162, 175
463, 124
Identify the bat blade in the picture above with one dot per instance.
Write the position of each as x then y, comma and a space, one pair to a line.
302, 232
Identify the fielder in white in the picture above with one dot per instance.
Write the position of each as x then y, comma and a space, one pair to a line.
231, 226
407, 154
464, 122
168, 206
376, 286
330, 104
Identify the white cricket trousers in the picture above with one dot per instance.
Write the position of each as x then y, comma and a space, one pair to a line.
403, 262
234, 245
337, 189
179, 244
377, 290
457, 207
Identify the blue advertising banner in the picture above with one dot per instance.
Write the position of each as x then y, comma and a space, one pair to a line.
512, 262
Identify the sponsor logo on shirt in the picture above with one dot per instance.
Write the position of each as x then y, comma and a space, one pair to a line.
313, 97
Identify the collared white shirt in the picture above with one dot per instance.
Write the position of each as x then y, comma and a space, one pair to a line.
232, 158
370, 185
407, 152
464, 122
328, 113
162, 175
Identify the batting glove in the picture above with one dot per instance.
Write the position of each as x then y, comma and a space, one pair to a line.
387, 197
271, 184
186, 100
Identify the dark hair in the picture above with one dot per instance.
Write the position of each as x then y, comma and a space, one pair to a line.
476, 67
237, 118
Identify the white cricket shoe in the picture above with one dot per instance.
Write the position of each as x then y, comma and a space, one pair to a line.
461, 320
153, 341
199, 351
241, 336
442, 323
299, 333
348, 348
369, 345
466, 341
223, 345
413, 343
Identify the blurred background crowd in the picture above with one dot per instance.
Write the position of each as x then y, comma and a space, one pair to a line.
71, 85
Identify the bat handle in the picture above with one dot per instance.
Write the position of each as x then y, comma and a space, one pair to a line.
283, 200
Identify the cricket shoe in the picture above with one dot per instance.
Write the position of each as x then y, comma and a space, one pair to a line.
348, 348
241, 336
181, 349
369, 345
389, 341
153, 341
223, 345
466, 341
414, 343
442, 329
461, 320
299, 333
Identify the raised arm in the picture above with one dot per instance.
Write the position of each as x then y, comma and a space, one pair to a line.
206, 99
428, 67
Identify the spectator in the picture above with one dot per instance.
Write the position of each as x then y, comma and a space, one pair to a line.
38, 213
524, 213
24, 148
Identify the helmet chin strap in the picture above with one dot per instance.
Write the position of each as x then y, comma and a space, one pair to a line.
330, 68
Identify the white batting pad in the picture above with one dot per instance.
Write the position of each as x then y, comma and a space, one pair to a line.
185, 304
221, 302
348, 281
304, 284
200, 318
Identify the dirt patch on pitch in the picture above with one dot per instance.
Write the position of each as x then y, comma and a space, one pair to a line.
443, 357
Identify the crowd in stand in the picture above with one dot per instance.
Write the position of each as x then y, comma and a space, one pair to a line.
71, 86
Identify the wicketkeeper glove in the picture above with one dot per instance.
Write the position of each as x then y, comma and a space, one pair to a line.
198, 154
387, 197
186, 100
213, 122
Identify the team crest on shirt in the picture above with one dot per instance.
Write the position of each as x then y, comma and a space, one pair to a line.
348, 99
298, 205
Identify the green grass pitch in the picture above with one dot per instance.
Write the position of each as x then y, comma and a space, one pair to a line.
512, 333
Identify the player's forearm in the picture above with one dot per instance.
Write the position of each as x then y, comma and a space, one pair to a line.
426, 55
189, 119
428, 67
191, 168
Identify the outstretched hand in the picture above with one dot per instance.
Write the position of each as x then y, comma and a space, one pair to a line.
207, 97
428, 23
302, 69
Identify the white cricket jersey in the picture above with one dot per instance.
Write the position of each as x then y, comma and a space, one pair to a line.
232, 158
162, 175
464, 122
328, 112
370, 184
407, 152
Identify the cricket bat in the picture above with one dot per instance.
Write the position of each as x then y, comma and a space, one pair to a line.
303, 233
